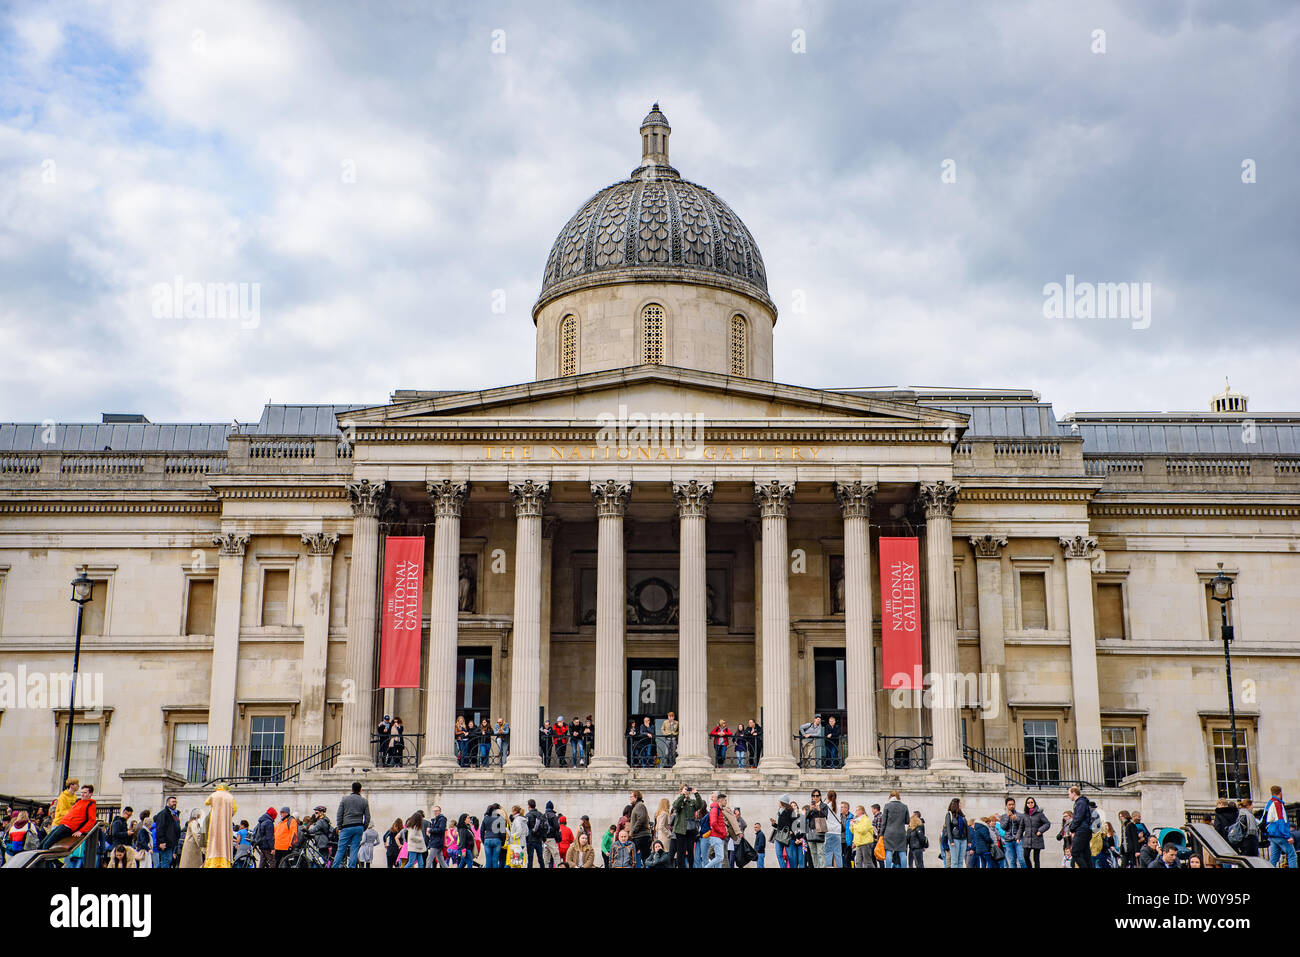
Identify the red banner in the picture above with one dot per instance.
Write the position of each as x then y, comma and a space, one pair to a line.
399, 646
900, 614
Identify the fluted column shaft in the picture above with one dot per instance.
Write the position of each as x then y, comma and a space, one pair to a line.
1079, 552
859, 645
315, 637
610, 498
526, 644
939, 499
773, 499
693, 626
225, 642
448, 498
368, 500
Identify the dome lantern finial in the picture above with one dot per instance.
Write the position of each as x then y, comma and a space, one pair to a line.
654, 140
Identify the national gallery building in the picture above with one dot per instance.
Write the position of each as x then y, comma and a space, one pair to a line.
654, 525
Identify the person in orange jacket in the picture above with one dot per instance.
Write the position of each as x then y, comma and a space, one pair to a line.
286, 834
78, 819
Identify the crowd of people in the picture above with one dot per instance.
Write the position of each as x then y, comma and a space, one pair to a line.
689, 830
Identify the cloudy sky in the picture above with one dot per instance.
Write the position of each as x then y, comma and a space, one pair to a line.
392, 176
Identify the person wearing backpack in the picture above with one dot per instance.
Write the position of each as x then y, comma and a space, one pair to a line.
917, 842
1278, 830
551, 842
1248, 828
536, 831
957, 832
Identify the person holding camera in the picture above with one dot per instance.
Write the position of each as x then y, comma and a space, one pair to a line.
685, 813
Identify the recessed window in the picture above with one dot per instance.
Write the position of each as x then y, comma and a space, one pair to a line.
1033, 600
1119, 755
569, 345
84, 763
92, 621
652, 335
1042, 753
275, 597
1110, 610
739, 345
198, 607
1224, 782
265, 747
184, 736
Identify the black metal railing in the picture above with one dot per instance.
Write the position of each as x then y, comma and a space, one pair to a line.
565, 749
244, 764
478, 750
736, 750
1059, 768
905, 752
397, 751
816, 751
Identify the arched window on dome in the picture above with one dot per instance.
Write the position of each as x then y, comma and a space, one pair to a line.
739, 345
569, 345
652, 334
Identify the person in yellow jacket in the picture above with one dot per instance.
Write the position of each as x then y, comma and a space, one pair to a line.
63, 803
221, 833
864, 837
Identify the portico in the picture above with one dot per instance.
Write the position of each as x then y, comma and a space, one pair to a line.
651, 529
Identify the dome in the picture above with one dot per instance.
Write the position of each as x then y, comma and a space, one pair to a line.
654, 226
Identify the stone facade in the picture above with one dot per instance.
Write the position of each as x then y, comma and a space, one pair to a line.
719, 531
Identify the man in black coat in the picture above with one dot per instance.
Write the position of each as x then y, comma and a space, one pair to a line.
1081, 829
168, 832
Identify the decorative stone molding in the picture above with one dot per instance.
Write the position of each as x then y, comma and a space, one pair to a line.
321, 543
448, 497
610, 497
938, 498
367, 498
1079, 547
530, 497
693, 498
855, 498
773, 498
231, 543
988, 546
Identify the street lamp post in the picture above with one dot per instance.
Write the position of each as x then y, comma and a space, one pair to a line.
82, 590
1221, 591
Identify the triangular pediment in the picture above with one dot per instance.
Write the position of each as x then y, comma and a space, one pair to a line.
658, 390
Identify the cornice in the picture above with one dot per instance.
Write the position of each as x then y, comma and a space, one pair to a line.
110, 508
855, 432
1194, 510
1026, 494
332, 492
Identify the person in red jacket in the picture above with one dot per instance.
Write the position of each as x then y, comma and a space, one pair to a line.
721, 735
717, 833
80, 818
565, 839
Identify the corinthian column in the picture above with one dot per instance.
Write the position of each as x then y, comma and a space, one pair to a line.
693, 633
773, 500
315, 637
448, 498
1079, 552
368, 500
859, 645
225, 641
938, 500
526, 645
610, 498
993, 645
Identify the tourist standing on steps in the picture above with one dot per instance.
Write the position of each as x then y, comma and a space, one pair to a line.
685, 813
1080, 830
894, 816
639, 826
435, 838
536, 831
957, 830
917, 842
864, 838
353, 819
1012, 824
815, 827
1278, 830
1034, 825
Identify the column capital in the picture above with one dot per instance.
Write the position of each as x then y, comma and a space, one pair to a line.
322, 543
610, 497
855, 498
988, 545
1080, 546
529, 497
367, 498
448, 497
693, 498
938, 498
231, 543
773, 498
